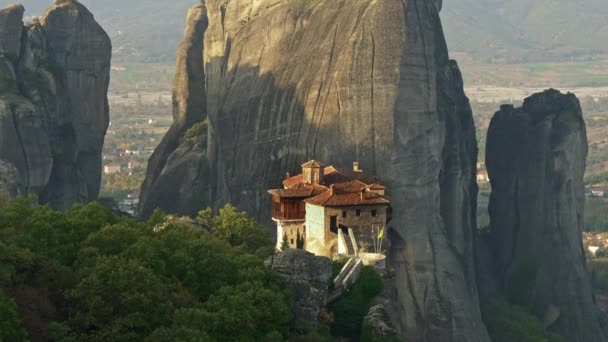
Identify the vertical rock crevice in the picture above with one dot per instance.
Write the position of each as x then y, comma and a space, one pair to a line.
189, 109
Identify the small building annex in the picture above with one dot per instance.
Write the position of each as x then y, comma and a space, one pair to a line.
334, 212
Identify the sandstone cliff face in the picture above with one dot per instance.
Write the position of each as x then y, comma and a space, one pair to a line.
536, 158
338, 81
54, 76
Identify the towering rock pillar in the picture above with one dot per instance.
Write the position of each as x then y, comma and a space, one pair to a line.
177, 177
339, 81
536, 159
54, 77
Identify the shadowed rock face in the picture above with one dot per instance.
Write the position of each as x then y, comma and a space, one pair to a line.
339, 81
177, 178
536, 158
54, 76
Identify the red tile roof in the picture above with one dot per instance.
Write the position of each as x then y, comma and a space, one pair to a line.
333, 176
339, 199
300, 190
341, 187
376, 187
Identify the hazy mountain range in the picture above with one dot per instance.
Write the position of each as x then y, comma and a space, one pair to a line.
478, 30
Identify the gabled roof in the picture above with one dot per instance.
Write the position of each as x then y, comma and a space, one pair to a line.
333, 176
299, 191
340, 199
376, 186
340, 187
312, 163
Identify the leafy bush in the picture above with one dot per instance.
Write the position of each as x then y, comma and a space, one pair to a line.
508, 323
196, 135
10, 327
238, 229
350, 310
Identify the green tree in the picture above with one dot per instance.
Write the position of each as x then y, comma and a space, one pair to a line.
237, 228
119, 299
285, 243
247, 312
350, 310
300, 241
10, 326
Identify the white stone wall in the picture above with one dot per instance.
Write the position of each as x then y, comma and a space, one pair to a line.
291, 230
316, 239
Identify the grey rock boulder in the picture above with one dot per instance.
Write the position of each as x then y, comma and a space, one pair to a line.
307, 276
536, 159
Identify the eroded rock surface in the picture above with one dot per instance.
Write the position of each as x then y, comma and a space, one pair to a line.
536, 159
378, 322
54, 76
339, 81
307, 276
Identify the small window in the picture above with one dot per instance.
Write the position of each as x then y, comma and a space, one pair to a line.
292, 241
358, 212
374, 213
344, 214
333, 224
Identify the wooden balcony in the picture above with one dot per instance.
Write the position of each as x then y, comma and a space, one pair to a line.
289, 210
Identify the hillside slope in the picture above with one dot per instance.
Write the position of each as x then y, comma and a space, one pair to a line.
141, 31
481, 30
526, 30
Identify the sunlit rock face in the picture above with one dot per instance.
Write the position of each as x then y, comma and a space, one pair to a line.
536, 159
54, 76
339, 81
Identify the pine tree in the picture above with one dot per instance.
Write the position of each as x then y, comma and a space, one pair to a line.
300, 241
285, 244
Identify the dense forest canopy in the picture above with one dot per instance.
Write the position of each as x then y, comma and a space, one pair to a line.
88, 274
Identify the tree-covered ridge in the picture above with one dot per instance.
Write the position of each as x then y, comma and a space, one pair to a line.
89, 275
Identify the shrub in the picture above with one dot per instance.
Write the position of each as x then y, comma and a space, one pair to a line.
350, 310
508, 323
10, 326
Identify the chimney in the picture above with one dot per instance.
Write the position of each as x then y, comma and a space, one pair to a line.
331, 189
356, 167
287, 175
362, 191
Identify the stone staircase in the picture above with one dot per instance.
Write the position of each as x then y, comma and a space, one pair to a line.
348, 275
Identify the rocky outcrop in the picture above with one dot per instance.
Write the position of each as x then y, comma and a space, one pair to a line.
338, 81
10, 183
377, 323
54, 76
175, 163
536, 159
307, 276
